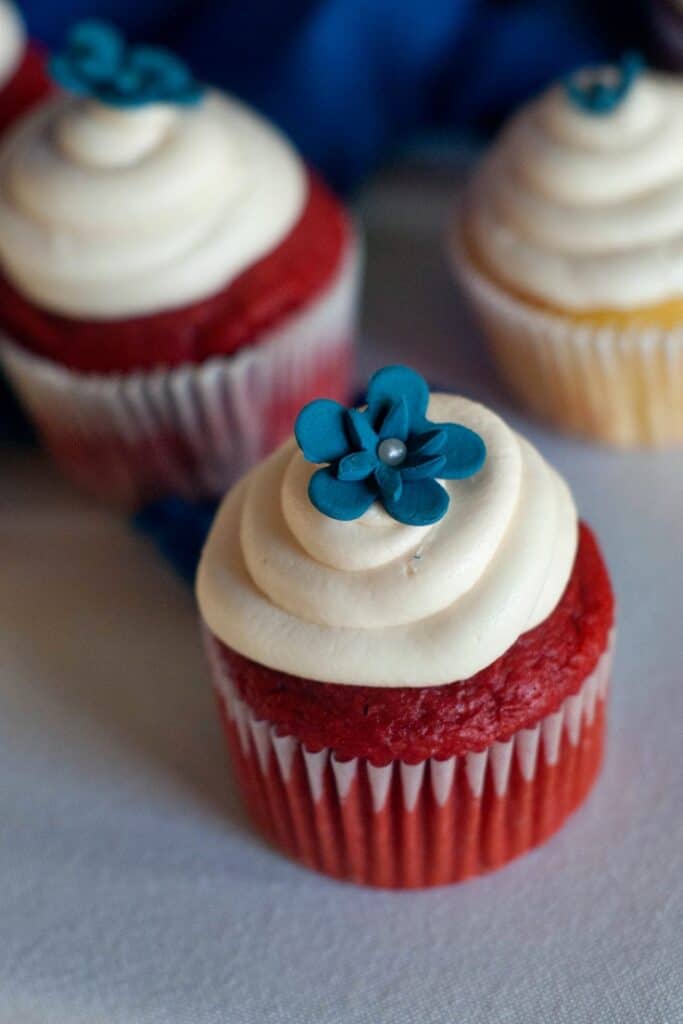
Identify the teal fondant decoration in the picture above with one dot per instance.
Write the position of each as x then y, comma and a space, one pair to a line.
387, 452
97, 62
600, 91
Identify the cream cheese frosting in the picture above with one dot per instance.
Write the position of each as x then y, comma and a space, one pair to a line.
585, 211
374, 602
12, 41
109, 213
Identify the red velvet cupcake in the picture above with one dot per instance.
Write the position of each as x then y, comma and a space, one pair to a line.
410, 646
175, 282
23, 80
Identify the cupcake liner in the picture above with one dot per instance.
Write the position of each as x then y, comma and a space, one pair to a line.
622, 386
191, 430
403, 825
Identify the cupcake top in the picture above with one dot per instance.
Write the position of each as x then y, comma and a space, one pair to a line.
579, 204
12, 41
137, 190
432, 538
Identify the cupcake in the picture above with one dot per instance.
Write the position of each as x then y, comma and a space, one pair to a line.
410, 636
23, 80
175, 281
570, 245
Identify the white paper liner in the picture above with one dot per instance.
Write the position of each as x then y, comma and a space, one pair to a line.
110, 432
613, 384
488, 767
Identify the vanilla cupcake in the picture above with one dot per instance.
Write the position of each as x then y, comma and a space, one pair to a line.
410, 635
175, 281
570, 245
23, 80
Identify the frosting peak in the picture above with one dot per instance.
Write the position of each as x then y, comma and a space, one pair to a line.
12, 41
376, 602
108, 212
99, 136
585, 212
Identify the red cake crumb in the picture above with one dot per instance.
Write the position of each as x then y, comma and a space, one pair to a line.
525, 684
272, 288
29, 84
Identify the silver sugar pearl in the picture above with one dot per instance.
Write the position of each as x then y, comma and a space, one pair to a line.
392, 451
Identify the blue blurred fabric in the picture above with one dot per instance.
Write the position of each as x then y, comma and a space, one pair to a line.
350, 80
178, 529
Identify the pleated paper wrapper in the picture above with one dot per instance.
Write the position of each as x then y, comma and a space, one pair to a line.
192, 430
402, 825
621, 386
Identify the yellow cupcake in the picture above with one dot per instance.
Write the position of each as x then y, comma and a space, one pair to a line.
570, 245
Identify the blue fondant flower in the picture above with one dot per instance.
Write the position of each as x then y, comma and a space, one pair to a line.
387, 452
98, 63
600, 91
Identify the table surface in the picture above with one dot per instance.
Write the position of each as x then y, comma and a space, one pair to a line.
131, 888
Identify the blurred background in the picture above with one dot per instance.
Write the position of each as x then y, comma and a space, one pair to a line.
353, 81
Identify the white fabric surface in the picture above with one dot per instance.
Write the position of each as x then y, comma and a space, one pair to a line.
132, 891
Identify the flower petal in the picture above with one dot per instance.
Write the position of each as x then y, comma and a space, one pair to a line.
320, 431
465, 452
427, 468
98, 40
167, 76
67, 77
356, 466
93, 52
392, 383
390, 482
360, 430
161, 63
430, 443
396, 422
422, 503
127, 81
339, 500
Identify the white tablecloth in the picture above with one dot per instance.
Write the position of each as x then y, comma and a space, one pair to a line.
131, 889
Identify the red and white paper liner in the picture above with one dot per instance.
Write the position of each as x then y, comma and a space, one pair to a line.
191, 430
622, 386
408, 826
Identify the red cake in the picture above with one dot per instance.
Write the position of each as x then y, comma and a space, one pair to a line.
175, 282
27, 86
528, 682
435, 778
279, 285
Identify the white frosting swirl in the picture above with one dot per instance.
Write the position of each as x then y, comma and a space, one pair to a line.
373, 602
585, 211
106, 213
12, 41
